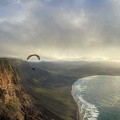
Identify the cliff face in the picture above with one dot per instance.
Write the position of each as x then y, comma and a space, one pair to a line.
15, 102
10, 91
43, 93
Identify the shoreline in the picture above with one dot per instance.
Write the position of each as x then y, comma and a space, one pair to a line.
79, 115
50, 84
86, 109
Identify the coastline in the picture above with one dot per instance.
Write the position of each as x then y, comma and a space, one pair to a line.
64, 79
79, 115
86, 109
51, 88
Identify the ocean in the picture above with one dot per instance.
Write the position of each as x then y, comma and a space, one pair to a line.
98, 97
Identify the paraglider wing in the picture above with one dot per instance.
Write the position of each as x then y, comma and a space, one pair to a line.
33, 55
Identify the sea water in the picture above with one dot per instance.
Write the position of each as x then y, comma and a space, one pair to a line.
98, 97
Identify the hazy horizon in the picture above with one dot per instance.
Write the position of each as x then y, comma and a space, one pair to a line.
60, 29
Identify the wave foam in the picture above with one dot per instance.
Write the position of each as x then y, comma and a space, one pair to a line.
88, 110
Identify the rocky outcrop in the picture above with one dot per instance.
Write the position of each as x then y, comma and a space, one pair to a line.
9, 90
15, 102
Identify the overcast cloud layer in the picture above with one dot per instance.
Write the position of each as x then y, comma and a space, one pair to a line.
60, 29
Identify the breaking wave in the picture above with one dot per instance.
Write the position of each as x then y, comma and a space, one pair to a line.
88, 110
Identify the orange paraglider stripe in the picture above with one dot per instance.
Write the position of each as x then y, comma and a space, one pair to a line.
33, 55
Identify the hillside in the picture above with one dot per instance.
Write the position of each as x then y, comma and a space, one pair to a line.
26, 94
42, 91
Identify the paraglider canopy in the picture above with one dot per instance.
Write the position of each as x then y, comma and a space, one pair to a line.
33, 55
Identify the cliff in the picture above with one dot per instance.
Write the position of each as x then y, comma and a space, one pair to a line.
42, 91
15, 102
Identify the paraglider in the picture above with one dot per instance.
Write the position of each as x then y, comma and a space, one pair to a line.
33, 55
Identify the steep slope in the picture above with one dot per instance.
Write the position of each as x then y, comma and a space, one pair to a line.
42, 91
50, 83
15, 102
51, 90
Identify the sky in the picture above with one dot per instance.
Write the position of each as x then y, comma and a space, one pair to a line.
60, 29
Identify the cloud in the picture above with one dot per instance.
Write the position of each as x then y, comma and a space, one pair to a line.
60, 29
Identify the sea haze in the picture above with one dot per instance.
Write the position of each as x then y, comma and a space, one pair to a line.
98, 97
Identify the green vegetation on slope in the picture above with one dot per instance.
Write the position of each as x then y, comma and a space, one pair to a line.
15, 102
51, 90
45, 92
